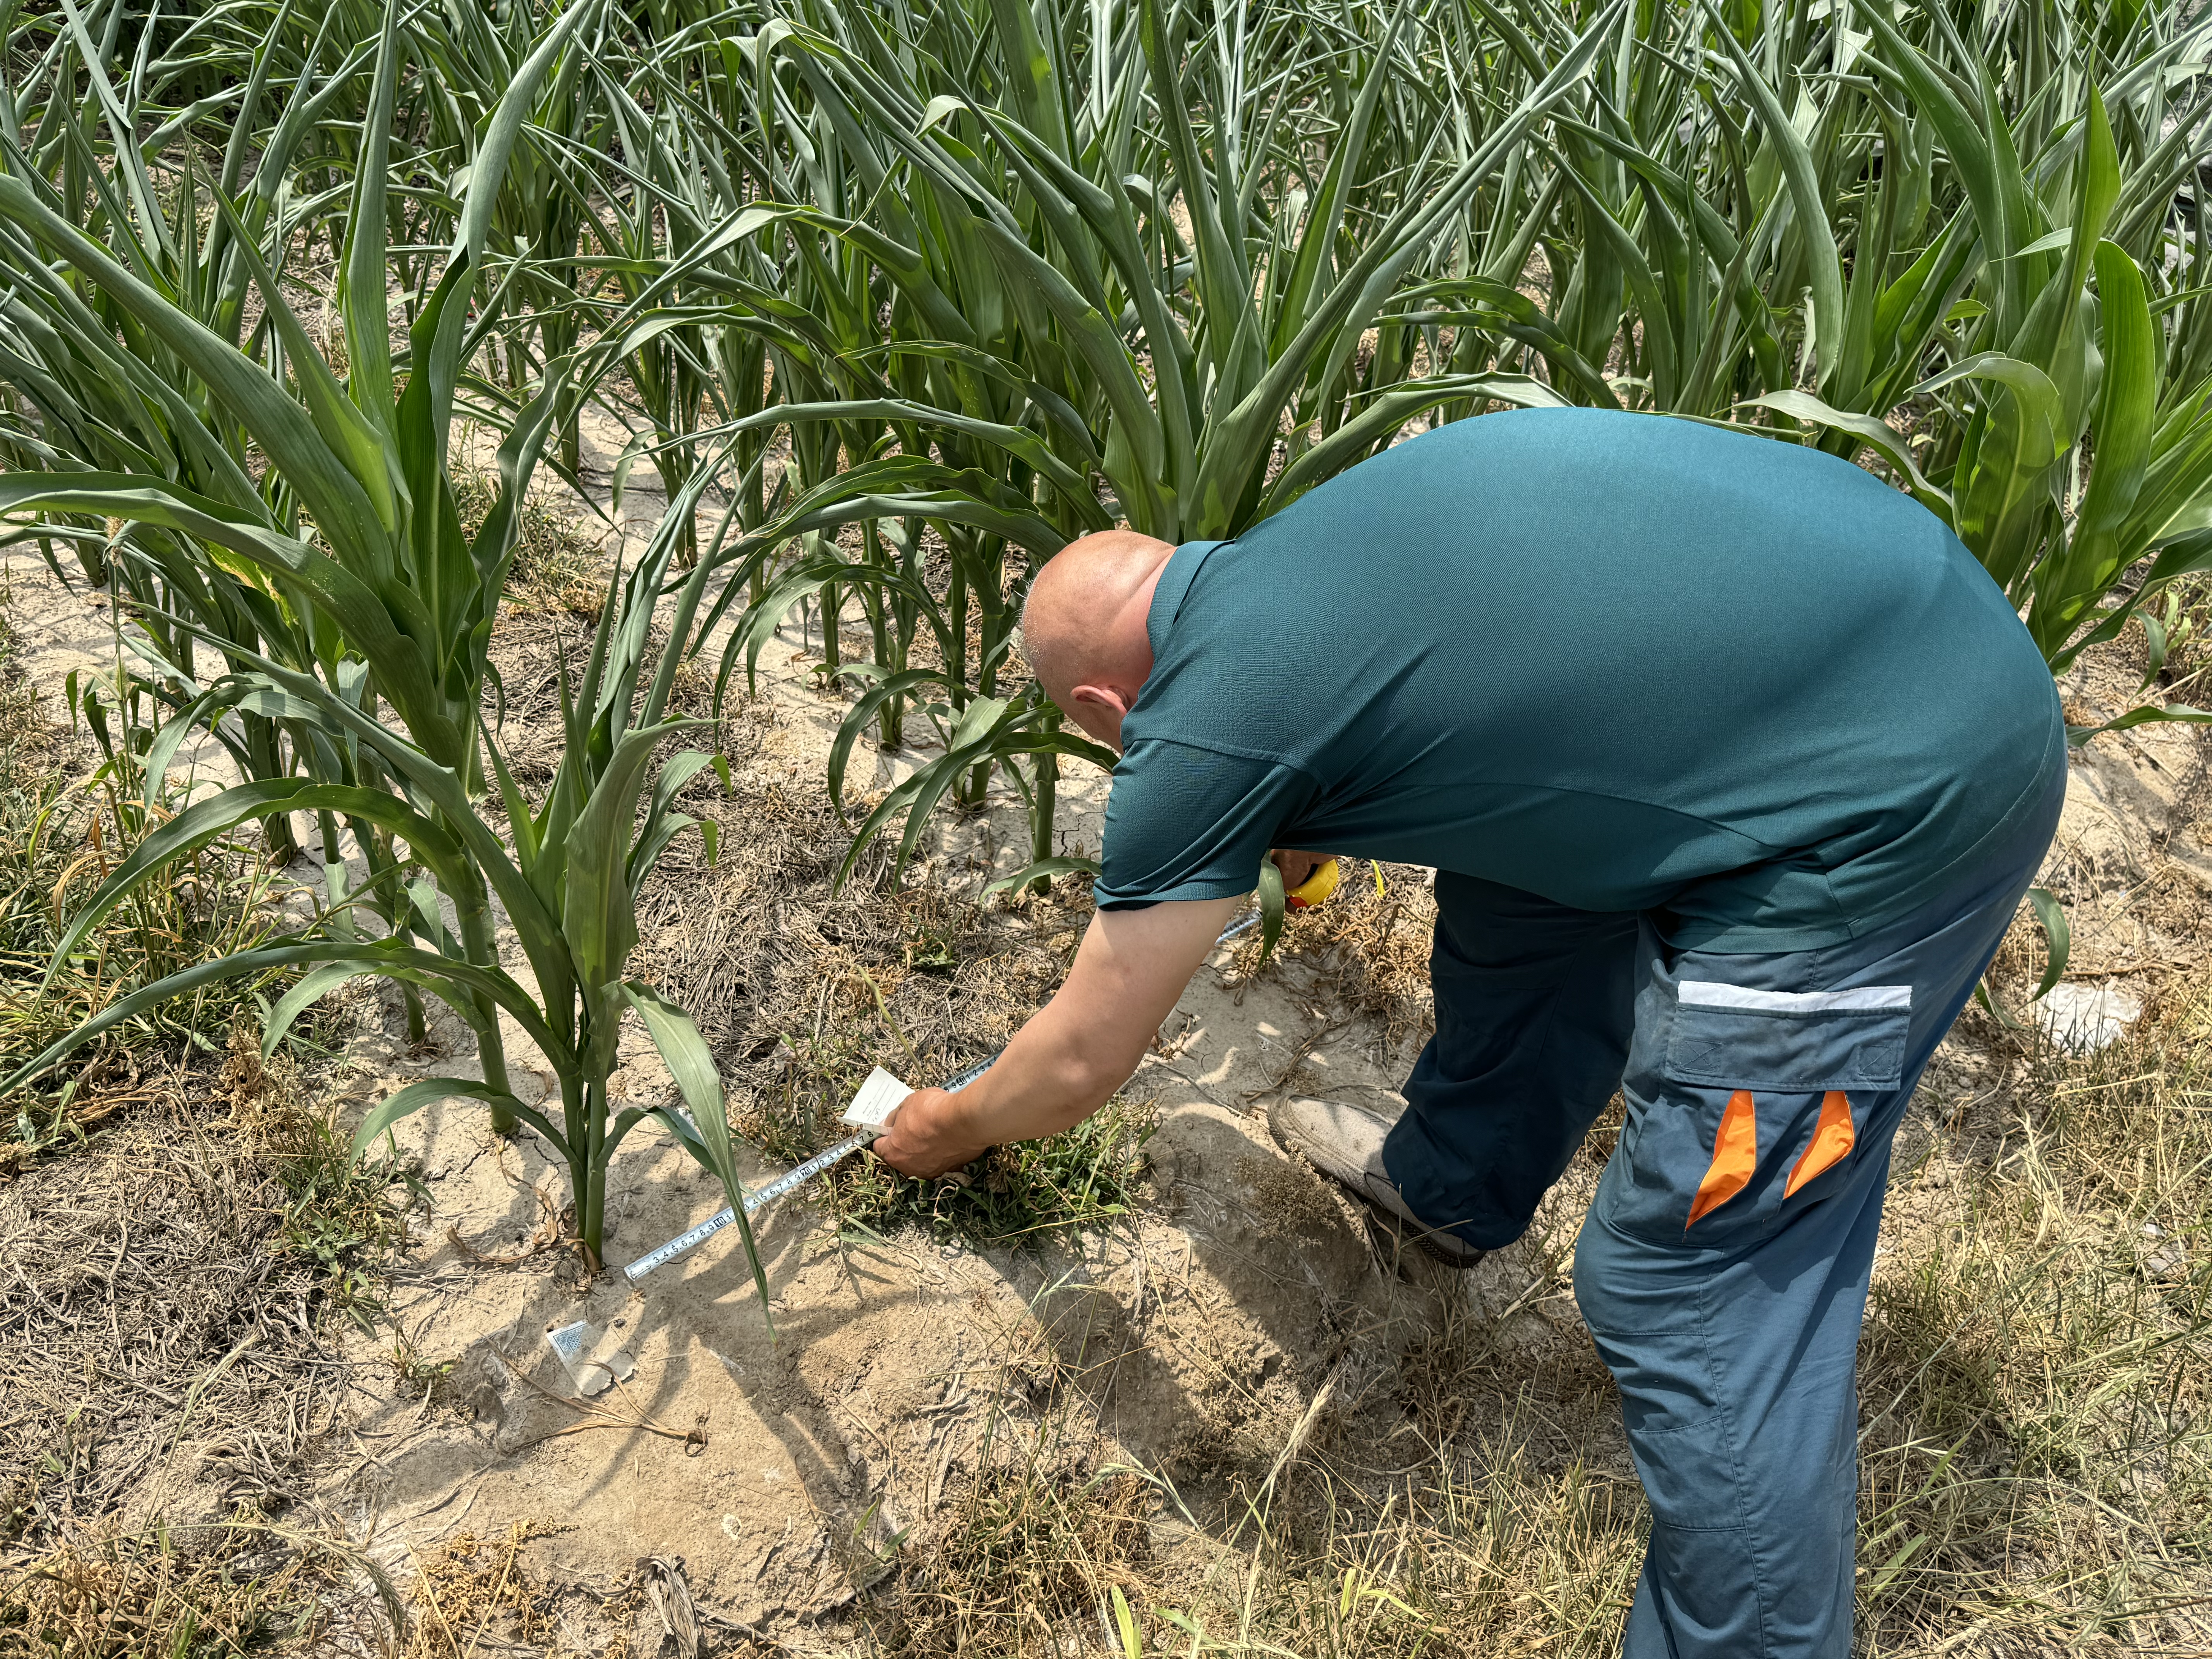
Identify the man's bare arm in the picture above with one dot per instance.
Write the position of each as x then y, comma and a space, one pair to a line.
1066, 1062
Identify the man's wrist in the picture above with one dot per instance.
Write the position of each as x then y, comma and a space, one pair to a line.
955, 1118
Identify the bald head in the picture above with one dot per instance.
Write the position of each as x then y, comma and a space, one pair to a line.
1084, 628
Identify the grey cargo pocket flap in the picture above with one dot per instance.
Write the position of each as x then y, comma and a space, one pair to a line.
1789, 1041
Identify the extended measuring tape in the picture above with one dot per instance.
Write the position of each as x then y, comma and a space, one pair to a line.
767, 1193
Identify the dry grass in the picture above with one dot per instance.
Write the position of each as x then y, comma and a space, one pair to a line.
1029, 1546
473, 1589
1366, 951
1492, 1554
480, 1596
2037, 1452
162, 1296
61, 832
1416, 1506
237, 1586
165, 1292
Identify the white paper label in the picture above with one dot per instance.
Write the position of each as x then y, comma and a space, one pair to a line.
878, 1099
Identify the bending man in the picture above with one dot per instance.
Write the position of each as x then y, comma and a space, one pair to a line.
1733, 766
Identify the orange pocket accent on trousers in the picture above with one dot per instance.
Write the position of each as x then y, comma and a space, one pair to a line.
1834, 1138
1735, 1155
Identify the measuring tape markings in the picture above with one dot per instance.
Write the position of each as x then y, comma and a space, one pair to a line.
761, 1197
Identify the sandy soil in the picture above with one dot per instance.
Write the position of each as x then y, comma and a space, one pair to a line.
1188, 1339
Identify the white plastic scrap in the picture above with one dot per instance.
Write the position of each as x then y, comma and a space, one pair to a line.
2087, 1017
595, 1359
2166, 1260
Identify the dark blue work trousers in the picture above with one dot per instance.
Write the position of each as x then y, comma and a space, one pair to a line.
1722, 1267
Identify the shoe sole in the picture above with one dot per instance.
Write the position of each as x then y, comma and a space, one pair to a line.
1386, 1233
1389, 1235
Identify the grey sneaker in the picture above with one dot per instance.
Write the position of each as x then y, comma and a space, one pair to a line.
1345, 1142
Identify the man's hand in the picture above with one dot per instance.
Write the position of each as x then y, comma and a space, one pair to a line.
1298, 868
1065, 1063
925, 1137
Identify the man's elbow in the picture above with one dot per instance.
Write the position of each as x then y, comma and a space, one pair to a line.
1089, 1077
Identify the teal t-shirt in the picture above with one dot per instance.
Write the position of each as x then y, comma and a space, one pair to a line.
1622, 661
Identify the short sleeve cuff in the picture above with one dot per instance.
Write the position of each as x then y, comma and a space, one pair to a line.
1181, 892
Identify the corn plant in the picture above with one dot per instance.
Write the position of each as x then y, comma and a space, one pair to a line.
2047, 373
101, 395
1964, 253
533, 245
97, 395
406, 606
566, 868
1051, 330
234, 569
339, 461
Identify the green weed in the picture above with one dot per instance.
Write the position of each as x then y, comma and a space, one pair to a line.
1019, 1195
63, 825
557, 567
338, 1213
1085, 1176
